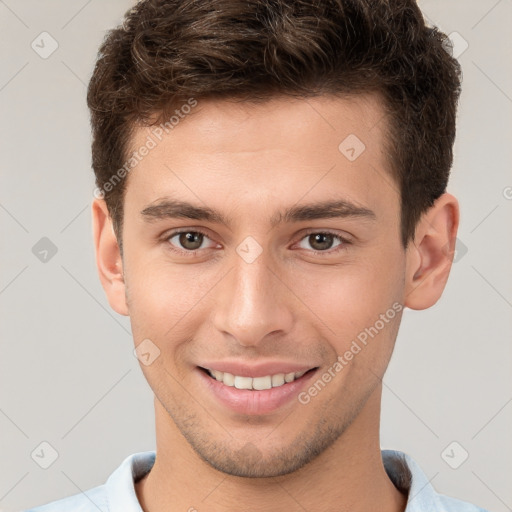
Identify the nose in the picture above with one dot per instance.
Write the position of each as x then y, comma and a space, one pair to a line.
252, 302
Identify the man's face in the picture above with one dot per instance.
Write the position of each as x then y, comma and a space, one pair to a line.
262, 293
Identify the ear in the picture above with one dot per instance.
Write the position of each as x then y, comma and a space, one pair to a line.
108, 257
429, 258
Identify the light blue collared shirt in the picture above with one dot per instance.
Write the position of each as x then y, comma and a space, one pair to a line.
118, 493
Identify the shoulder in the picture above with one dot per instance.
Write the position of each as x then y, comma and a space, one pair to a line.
448, 504
93, 500
408, 477
116, 494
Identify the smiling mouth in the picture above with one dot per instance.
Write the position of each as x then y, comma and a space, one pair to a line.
255, 383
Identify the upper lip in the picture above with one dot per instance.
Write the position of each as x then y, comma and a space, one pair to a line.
257, 370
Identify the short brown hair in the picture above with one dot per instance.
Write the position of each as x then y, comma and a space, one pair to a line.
168, 51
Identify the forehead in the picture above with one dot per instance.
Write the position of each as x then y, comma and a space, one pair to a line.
256, 154
231, 125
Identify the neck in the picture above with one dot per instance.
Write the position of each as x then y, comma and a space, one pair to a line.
349, 475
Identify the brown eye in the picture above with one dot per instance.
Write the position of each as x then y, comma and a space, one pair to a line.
187, 240
321, 241
191, 240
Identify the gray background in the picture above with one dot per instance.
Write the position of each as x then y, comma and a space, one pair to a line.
67, 373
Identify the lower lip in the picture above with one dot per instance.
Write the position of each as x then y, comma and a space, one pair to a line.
253, 402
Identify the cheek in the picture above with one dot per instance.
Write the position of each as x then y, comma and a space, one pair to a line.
163, 297
358, 308
351, 297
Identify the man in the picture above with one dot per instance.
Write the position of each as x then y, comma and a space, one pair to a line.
271, 194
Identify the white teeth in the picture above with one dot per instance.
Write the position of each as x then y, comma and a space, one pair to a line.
227, 378
277, 380
217, 374
256, 383
289, 377
261, 383
243, 382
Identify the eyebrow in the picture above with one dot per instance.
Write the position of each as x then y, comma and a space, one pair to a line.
171, 209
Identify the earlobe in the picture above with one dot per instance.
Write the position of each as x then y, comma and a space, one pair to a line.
429, 258
108, 257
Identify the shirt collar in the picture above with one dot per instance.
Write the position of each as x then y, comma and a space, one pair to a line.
409, 478
402, 470
120, 486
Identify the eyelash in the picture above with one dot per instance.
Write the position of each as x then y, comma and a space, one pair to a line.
342, 246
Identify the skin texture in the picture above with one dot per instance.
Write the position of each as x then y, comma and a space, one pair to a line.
250, 162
